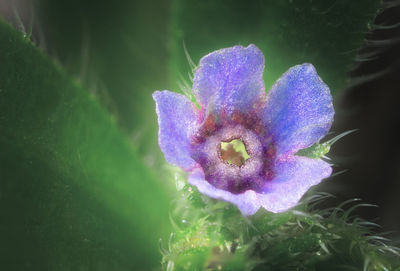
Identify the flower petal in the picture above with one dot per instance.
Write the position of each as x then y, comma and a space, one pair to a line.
230, 79
177, 119
247, 202
299, 109
294, 176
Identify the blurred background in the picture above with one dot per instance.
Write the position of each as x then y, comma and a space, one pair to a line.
120, 53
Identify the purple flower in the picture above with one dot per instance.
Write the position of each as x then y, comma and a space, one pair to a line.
266, 172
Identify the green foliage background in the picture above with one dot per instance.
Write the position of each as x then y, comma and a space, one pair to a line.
83, 185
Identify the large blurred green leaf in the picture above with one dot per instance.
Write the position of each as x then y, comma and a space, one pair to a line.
325, 33
118, 49
73, 194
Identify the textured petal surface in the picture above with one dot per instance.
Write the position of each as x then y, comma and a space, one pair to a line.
177, 119
230, 79
299, 109
294, 176
247, 202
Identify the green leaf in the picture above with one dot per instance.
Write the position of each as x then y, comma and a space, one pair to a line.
74, 195
118, 49
324, 33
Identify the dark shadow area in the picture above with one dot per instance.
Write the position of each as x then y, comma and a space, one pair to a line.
371, 103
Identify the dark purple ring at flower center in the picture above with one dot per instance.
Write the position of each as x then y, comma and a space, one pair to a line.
236, 178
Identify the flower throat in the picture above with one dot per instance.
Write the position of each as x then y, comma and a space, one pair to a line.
234, 152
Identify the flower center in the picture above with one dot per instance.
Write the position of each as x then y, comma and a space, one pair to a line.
234, 152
